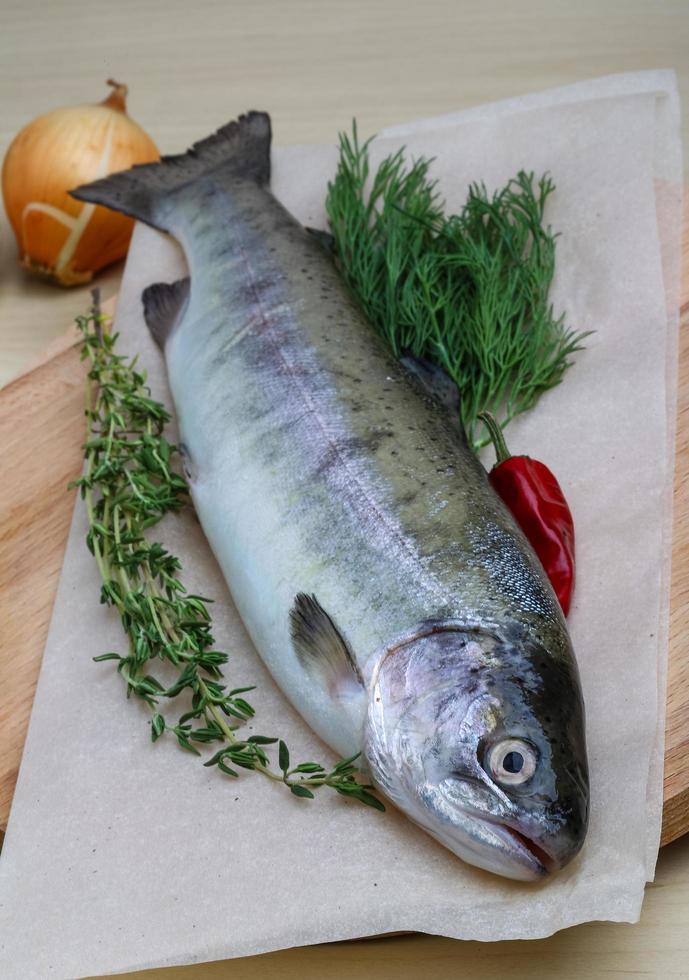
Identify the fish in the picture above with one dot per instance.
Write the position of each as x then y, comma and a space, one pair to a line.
384, 584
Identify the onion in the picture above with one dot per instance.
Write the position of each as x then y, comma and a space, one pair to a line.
57, 236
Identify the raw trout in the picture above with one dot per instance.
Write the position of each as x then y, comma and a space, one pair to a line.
383, 582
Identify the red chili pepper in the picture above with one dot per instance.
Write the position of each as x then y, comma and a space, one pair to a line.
538, 505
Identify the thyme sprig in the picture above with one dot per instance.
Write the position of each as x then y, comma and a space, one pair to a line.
128, 485
468, 291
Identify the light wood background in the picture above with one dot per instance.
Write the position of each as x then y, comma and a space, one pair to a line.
314, 64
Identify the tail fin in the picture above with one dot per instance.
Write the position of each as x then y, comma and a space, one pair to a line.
241, 147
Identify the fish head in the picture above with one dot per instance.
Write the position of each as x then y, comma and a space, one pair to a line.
480, 740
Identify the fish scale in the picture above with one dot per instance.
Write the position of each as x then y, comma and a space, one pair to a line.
321, 467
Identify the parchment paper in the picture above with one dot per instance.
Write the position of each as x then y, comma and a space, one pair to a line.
123, 855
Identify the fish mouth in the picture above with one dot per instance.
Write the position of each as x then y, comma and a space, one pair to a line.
543, 863
495, 844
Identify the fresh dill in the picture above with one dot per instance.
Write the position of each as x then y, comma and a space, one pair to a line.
467, 291
128, 485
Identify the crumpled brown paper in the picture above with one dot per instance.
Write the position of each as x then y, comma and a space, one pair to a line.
124, 855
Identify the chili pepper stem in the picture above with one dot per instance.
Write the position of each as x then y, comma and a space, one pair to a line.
502, 453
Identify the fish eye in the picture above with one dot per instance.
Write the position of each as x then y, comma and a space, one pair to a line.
511, 761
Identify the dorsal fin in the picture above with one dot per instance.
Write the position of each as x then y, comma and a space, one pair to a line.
436, 382
164, 306
323, 238
320, 646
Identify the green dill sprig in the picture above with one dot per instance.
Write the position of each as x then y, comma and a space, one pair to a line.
469, 291
128, 485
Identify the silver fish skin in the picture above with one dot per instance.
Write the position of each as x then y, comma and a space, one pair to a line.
383, 582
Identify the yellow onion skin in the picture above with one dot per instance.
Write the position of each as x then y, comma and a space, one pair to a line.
58, 237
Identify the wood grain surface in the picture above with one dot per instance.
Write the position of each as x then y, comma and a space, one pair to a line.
41, 416
41, 431
676, 776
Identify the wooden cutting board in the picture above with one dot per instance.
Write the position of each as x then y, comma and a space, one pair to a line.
41, 431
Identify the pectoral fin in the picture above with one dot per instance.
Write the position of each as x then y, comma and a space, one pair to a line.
325, 654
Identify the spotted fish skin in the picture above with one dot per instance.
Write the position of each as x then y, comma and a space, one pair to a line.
319, 465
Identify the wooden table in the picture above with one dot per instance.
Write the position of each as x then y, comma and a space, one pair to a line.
192, 66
